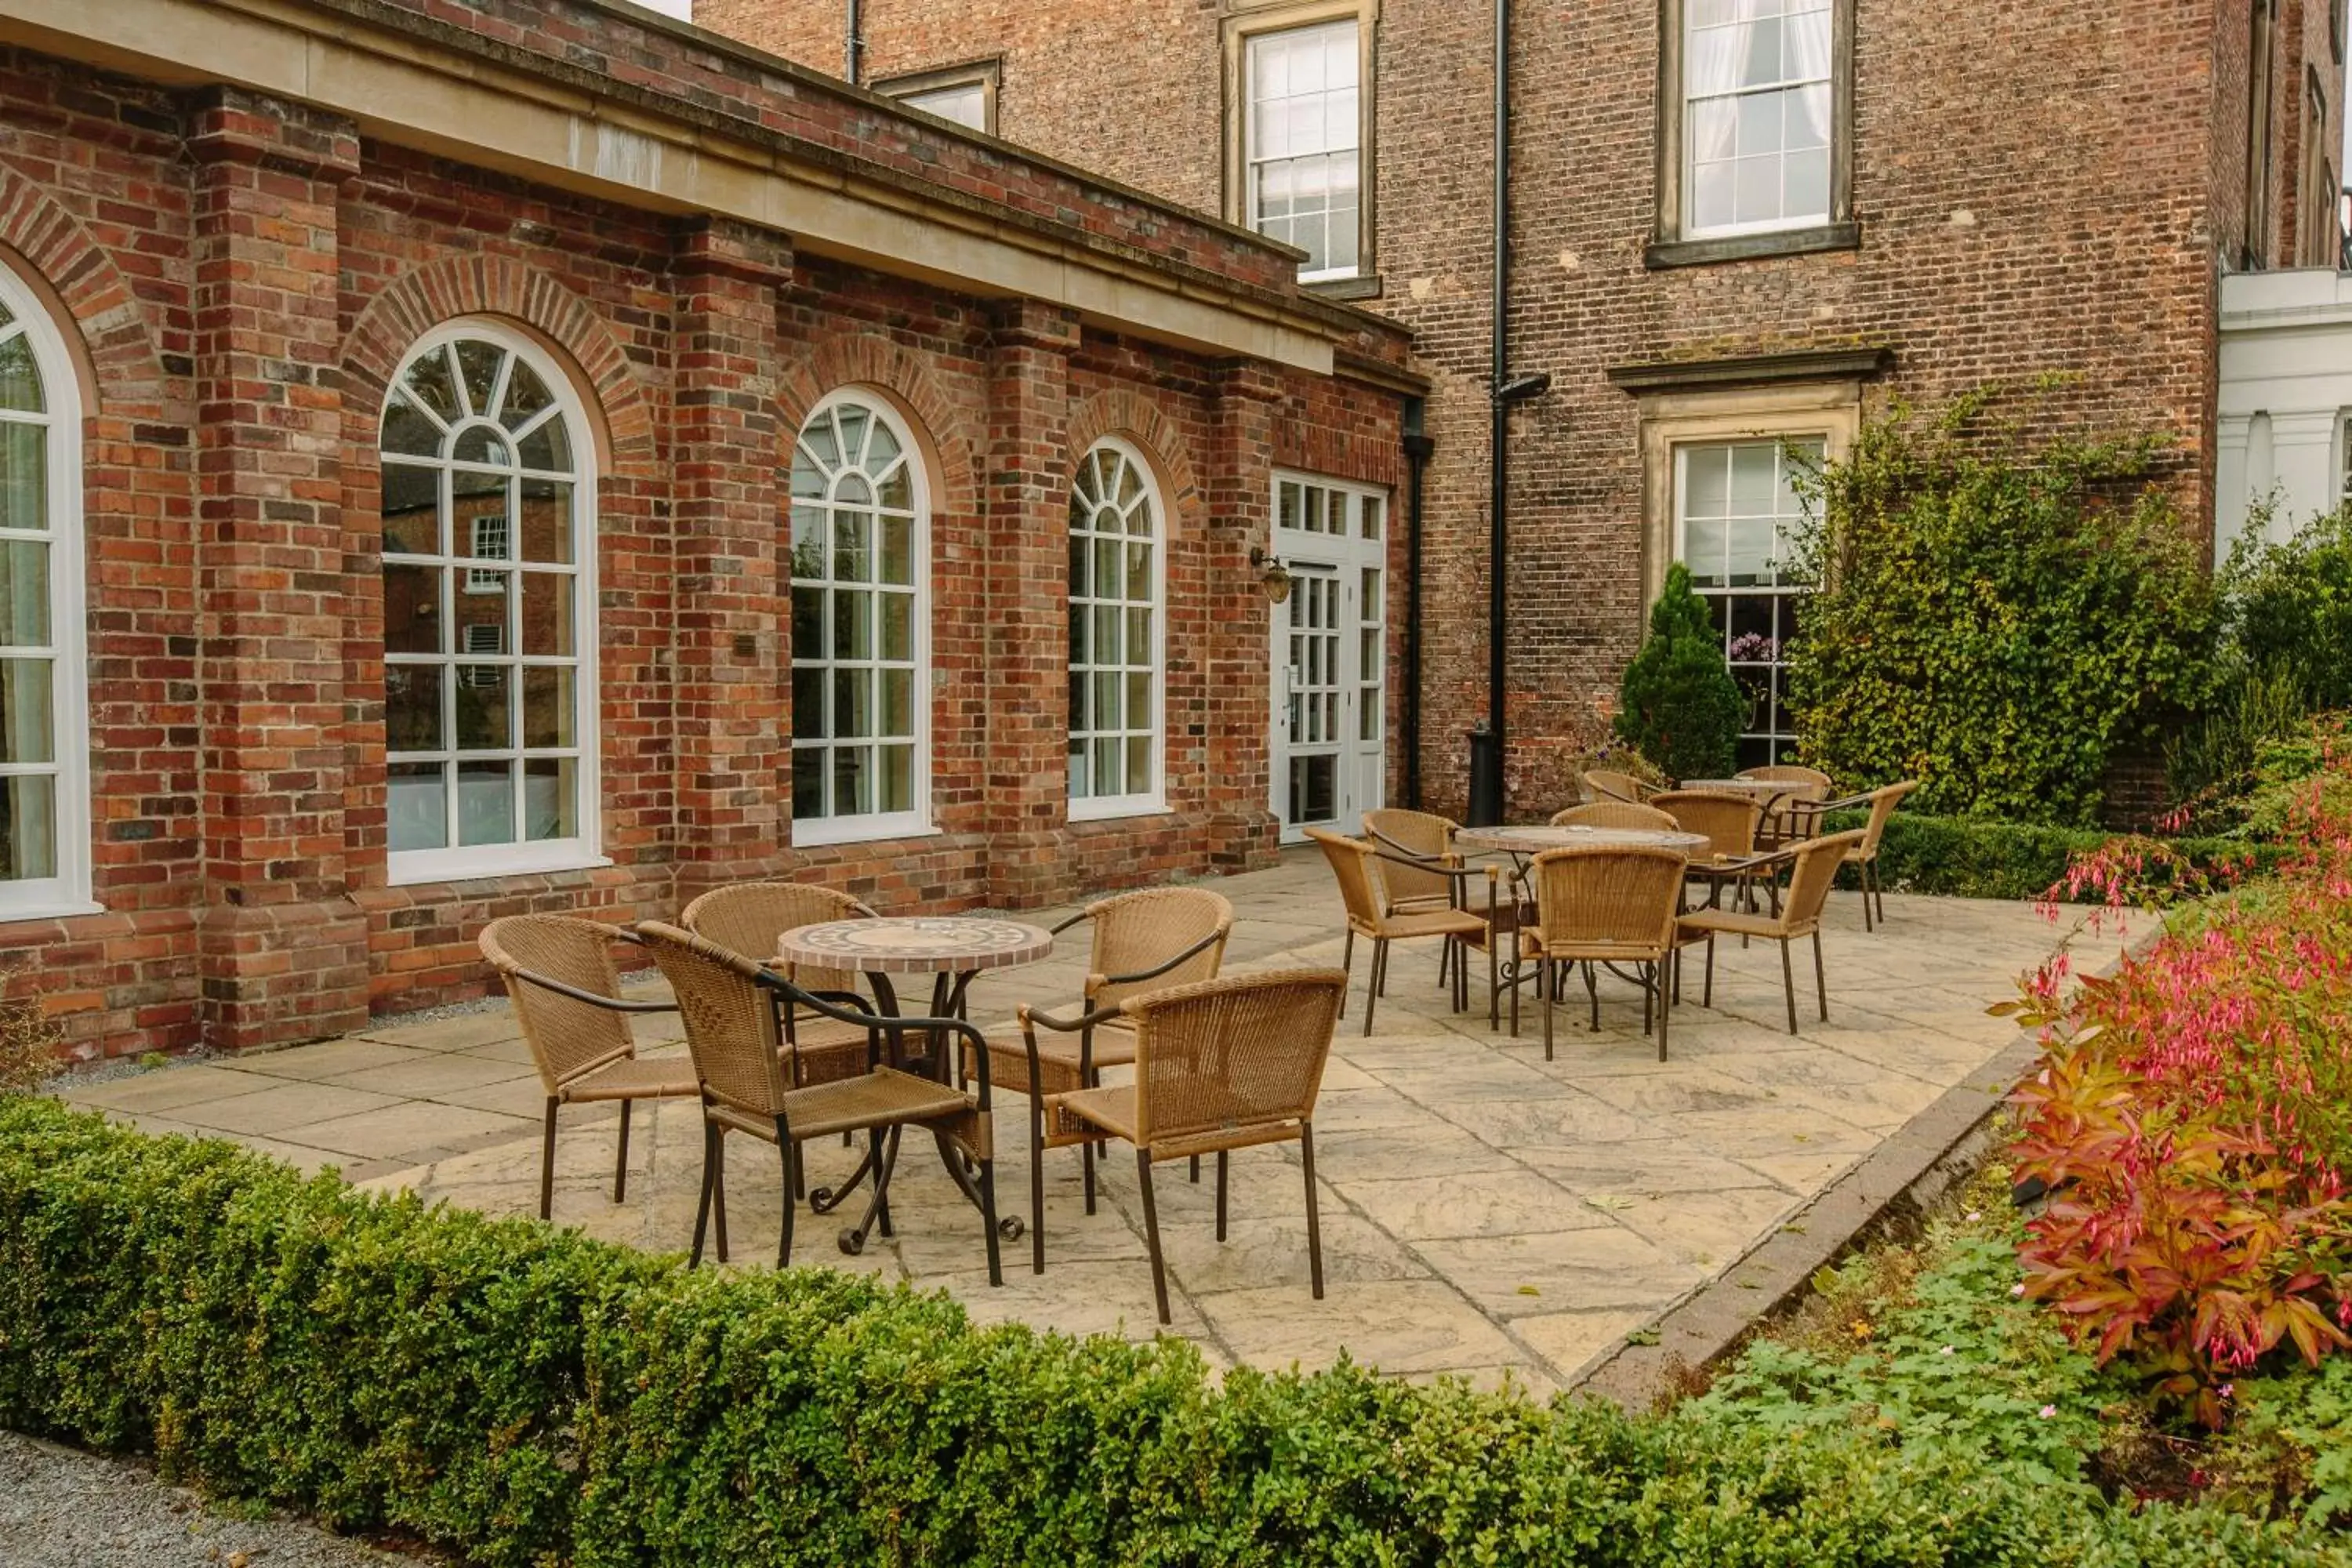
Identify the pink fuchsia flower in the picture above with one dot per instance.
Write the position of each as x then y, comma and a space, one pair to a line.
2048, 1411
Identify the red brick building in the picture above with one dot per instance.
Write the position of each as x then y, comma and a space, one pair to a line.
1733, 223
457, 459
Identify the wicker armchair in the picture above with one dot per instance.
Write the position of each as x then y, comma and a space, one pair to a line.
566, 990
1786, 815
1728, 822
1354, 866
747, 921
1607, 904
1220, 1066
1812, 871
1143, 941
733, 1035
1604, 783
1411, 836
1882, 803
1614, 814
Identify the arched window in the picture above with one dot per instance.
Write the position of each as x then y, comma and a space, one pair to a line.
861, 635
1116, 571
489, 611
44, 733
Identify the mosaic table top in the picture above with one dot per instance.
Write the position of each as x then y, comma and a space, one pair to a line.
1535, 840
921, 944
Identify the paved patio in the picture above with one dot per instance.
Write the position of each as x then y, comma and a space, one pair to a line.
1484, 1211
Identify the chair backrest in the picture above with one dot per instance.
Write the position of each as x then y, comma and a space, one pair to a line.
1227, 1055
1789, 773
1883, 803
1590, 894
1614, 814
1351, 866
566, 1037
1727, 821
1811, 877
1418, 833
1138, 931
1606, 783
747, 919
730, 1019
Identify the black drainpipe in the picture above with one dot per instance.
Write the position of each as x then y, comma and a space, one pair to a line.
1417, 449
1486, 742
853, 44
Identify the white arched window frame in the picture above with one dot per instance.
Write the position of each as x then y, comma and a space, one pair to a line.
45, 855
490, 577
1118, 569
861, 635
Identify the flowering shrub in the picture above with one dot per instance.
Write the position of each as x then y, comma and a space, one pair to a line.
2194, 1121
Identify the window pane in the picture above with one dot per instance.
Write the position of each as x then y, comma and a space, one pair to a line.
20, 377
411, 608
852, 624
412, 707
897, 778
1138, 765
27, 725
897, 626
550, 793
897, 702
476, 444
526, 395
412, 517
853, 781
808, 781
546, 521
851, 530
432, 385
416, 805
808, 704
808, 622
852, 702
24, 594
483, 721
1138, 699
486, 803
547, 711
549, 446
1703, 551
897, 550
478, 363
546, 615
24, 476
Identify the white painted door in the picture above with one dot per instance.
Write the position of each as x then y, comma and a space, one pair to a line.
1331, 655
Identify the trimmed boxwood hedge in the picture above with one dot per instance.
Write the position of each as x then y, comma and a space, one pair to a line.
527, 1396
1978, 857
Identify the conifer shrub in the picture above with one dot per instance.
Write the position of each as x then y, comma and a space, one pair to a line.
1679, 705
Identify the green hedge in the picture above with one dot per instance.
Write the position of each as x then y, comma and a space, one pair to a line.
527, 1396
1976, 857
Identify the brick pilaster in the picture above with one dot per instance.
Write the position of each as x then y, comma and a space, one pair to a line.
733, 747
284, 950
1028, 510
1242, 830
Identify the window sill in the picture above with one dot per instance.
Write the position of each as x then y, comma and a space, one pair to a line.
454, 866
1345, 288
1660, 254
1118, 810
10, 914
823, 832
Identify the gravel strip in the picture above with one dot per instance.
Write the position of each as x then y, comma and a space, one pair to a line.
62, 1509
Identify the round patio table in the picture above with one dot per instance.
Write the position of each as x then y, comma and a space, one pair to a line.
1536, 839
951, 949
1771, 795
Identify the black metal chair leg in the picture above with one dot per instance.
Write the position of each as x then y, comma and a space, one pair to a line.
1667, 973
1314, 1217
620, 1161
1789, 984
784, 1151
1193, 1174
1086, 1161
1868, 925
547, 1164
1152, 1234
1372, 981
1220, 1193
1706, 991
702, 1205
1037, 1186
987, 1182
1593, 996
718, 1183
1821, 978
1543, 984
1346, 966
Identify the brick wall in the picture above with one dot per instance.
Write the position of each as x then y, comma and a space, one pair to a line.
2040, 189
244, 278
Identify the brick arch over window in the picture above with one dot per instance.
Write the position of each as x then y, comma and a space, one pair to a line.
1140, 421
493, 286
868, 359
115, 328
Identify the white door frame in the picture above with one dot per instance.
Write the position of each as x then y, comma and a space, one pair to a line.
1333, 537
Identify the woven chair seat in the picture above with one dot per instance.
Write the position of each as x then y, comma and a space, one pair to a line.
1112, 1111
1058, 1057
632, 1077
1599, 951
883, 1097
1433, 922
1734, 922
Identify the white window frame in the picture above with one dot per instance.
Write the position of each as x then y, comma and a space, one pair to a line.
67, 892
869, 826
458, 863
1252, 22
1691, 227
1784, 594
1154, 801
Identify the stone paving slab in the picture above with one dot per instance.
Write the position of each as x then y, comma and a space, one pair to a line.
1486, 1213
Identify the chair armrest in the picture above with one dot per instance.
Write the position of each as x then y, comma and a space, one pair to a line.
1450, 866
1412, 856
815, 1003
610, 1004
1074, 920
1067, 1026
1154, 973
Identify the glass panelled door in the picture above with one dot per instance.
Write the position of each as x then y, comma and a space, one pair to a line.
1330, 659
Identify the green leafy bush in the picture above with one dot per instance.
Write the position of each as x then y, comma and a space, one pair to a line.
1679, 705
1996, 618
1974, 858
2289, 607
527, 1396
